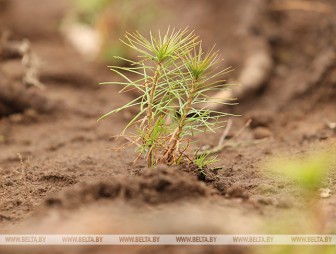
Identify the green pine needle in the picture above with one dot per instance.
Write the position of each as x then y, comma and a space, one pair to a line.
173, 75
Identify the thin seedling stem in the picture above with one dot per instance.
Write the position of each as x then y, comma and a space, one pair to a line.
176, 136
150, 118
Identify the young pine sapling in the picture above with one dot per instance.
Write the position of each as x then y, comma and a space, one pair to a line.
173, 75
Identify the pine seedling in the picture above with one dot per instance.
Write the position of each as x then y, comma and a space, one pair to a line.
172, 75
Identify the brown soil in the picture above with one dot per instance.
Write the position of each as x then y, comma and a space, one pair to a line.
58, 174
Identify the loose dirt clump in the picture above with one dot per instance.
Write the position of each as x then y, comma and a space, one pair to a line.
15, 98
152, 186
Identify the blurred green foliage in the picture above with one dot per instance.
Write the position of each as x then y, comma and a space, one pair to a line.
113, 18
308, 171
89, 10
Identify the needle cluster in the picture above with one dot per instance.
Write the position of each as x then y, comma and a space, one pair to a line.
173, 75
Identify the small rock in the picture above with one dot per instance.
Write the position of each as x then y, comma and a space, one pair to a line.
331, 125
261, 132
325, 192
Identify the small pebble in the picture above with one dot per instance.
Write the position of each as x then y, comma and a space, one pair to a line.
331, 125
325, 192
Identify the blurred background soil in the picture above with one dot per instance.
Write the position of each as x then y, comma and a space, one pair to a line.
58, 174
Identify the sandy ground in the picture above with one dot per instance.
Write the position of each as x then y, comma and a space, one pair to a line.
58, 174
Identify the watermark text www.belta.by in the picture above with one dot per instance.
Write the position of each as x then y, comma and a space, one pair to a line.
167, 239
